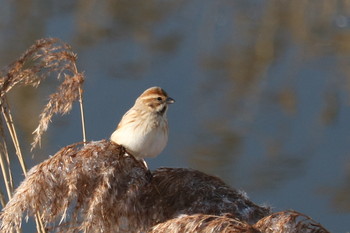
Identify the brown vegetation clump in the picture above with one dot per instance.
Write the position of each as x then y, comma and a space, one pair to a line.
95, 187
204, 224
289, 222
99, 188
187, 191
280, 222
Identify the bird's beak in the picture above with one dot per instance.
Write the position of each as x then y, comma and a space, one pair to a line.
170, 100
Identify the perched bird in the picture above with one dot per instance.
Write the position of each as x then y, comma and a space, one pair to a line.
143, 130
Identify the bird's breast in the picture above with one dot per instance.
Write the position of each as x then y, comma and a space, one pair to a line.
145, 137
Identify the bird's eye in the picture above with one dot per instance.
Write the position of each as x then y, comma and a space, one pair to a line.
159, 99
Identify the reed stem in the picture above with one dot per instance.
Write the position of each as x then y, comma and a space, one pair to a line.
5, 172
82, 114
81, 104
11, 127
39, 223
7, 175
2, 199
5, 162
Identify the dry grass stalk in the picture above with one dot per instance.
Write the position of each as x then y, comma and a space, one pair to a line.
5, 164
203, 223
6, 112
6, 172
2, 199
46, 56
289, 222
81, 105
82, 114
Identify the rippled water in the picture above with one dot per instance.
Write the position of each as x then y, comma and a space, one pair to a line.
261, 88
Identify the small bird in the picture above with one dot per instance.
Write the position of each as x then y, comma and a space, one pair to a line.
143, 130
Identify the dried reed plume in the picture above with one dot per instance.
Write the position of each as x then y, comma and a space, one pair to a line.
185, 191
45, 57
281, 222
203, 223
289, 222
91, 189
97, 188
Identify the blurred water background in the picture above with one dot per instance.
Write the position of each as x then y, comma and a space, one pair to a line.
262, 88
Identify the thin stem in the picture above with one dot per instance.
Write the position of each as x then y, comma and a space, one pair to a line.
81, 103
39, 223
2, 199
5, 172
5, 166
5, 161
11, 127
82, 114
